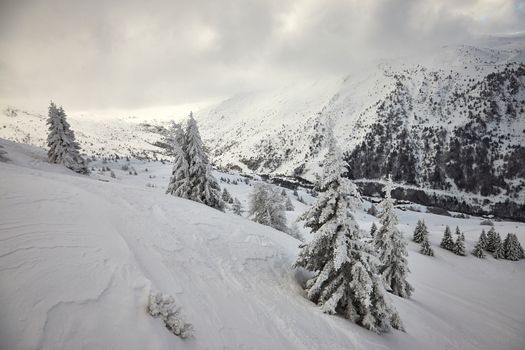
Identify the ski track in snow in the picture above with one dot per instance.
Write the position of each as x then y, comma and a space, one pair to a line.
79, 257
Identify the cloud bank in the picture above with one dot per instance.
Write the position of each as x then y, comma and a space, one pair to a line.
102, 54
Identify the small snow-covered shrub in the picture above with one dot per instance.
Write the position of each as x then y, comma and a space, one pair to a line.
163, 306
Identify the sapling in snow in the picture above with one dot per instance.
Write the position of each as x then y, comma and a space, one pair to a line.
426, 249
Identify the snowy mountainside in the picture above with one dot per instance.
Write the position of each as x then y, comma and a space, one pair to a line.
80, 255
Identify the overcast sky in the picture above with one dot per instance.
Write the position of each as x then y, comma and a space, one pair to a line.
100, 54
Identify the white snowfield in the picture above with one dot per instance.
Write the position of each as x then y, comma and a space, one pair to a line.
79, 257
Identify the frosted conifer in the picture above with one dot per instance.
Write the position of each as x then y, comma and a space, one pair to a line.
226, 197
267, 207
288, 205
478, 248
204, 187
492, 238
483, 239
237, 207
420, 232
295, 233
179, 184
499, 251
345, 266
63, 148
459, 245
447, 242
426, 249
392, 249
512, 247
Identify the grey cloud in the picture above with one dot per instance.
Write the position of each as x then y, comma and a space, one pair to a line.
114, 54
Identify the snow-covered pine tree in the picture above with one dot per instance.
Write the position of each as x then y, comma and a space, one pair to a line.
483, 239
267, 207
499, 251
512, 247
283, 193
392, 249
237, 207
459, 245
458, 232
226, 197
426, 249
478, 248
346, 280
63, 149
204, 187
447, 242
373, 229
492, 238
179, 184
288, 204
420, 232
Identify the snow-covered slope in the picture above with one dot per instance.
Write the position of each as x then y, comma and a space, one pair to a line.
80, 255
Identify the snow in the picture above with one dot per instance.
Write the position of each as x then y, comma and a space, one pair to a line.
80, 255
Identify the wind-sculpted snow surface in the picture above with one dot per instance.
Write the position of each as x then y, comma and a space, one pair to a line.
79, 258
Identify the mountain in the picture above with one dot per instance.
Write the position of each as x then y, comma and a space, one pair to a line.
81, 254
449, 127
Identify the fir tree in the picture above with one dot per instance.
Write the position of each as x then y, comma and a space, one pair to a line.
458, 232
345, 266
392, 249
373, 229
420, 232
179, 184
478, 249
492, 238
288, 205
226, 197
447, 242
512, 247
483, 240
267, 207
426, 249
204, 187
459, 245
63, 149
237, 207
499, 251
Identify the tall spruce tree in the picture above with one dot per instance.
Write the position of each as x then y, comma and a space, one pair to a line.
447, 242
512, 247
179, 184
459, 245
483, 239
499, 251
345, 266
204, 187
492, 240
420, 232
392, 249
478, 248
63, 148
237, 207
